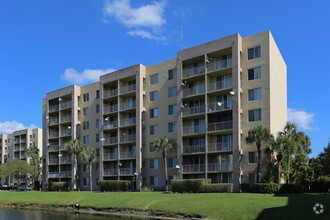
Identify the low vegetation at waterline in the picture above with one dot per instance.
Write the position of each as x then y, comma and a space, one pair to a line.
207, 205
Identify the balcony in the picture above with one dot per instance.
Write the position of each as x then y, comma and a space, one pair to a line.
54, 121
53, 108
194, 71
22, 157
128, 105
16, 149
127, 171
220, 126
193, 91
53, 148
110, 125
128, 155
53, 175
65, 160
23, 140
53, 161
193, 110
213, 107
219, 147
220, 63
194, 168
111, 140
127, 89
16, 141
110, 156
64, 174
217, 167
54, 134
128, 122
110, 109
65, 133
189, 130
66, 119
194, 149
65, 105
219, 86
128, 138
110, 93
110, 172
23, 148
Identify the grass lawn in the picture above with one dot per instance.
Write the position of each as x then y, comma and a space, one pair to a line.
210, 206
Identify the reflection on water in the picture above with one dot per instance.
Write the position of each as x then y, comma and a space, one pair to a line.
22, 214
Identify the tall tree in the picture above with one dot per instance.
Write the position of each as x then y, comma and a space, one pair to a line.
164, 145
75, 147
88, 154
258, 135
35, 162
16, 168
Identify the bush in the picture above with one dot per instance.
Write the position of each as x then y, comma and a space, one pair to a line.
147, 189
114, 185
322, 184
189, 185
60, 186
291, 188
218, 187
259, 187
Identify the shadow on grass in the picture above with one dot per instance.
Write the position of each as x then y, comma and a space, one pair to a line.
300, 206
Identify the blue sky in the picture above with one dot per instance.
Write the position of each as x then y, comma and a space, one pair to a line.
46, 45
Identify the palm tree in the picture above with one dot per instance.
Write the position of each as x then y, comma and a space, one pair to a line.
74, 147
304, 143
164, 145
88, 154
35, 161
258, 135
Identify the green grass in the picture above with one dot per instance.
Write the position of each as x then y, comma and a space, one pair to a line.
211, 206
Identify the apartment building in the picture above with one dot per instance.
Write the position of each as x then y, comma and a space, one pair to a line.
206, 99
14, 146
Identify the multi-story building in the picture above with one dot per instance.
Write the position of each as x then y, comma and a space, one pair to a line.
207, 99
14, 146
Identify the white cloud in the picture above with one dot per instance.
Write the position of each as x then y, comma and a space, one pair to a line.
9, 127
86, 76
301, 118
145, 34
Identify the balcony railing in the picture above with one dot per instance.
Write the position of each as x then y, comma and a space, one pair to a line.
110, 109
16, 149
193, 91
128, 138
110, 172
193, 110
194, 149
111, 140
219, 126
53, 108
65, 133
212, 107
53, 161
23, 157
53, 134
23, 148
219, 85
127, 105
23, 140
219, 147
128, 121
53, 148
53, 174
16, 141
127, 171
66, 105
217, 167
110, 125
194, 168
110, 93
219, 64
110, 156
65, 174
53, 121
193, 71
64, 160
62, 147
67, 118
127, 155
193, 130
127, 88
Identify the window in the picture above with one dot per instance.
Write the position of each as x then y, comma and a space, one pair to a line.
151, 148
85, 125
97, 110
172, 109
170, 178
154, 79
154, 113
254, 73
172, 162
86, 139
253, 177
172, 74
255, 115
153, 129
34, 135
97, 122
254, 94
172, 91
153, 96
97, 167
97, 94
154, 180
253, 157
253, 53
86, 167
98, 153
153, 163
85, 111
97, 138
172, 127
86, 97
86, 181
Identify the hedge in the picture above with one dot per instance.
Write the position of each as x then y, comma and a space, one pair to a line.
259, 187
218, 187
59, 186
292, 188
320, 185
114, 185
189, 185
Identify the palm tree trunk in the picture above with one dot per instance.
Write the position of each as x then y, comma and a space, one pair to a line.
166, 177
279, 173
258, 168
75, 172
90, 176
288, 177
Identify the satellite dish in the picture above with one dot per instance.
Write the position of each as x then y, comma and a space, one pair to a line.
219, 104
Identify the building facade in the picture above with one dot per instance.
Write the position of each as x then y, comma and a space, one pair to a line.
206, 99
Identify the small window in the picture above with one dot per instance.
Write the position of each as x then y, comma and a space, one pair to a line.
255, 115
86, 111
86, 97
154, 180
86, 139
97, 122
172, 92
254, 73
254, 94
97, 138
97, 94
98, 153
86, 167
153, 129
151, 148
97, 109
153, 96
172, 162
154, 79
34, 135
153, 163
86, 181
252, 177
154, 113
253, 53
172, 127
85, 125
172, 109
253, 157
172, 74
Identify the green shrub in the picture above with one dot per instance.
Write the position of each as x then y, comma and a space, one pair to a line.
322, 184
60, 186
147, 189
114, 185
218, 187
259, 187
189, 185
291, 188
